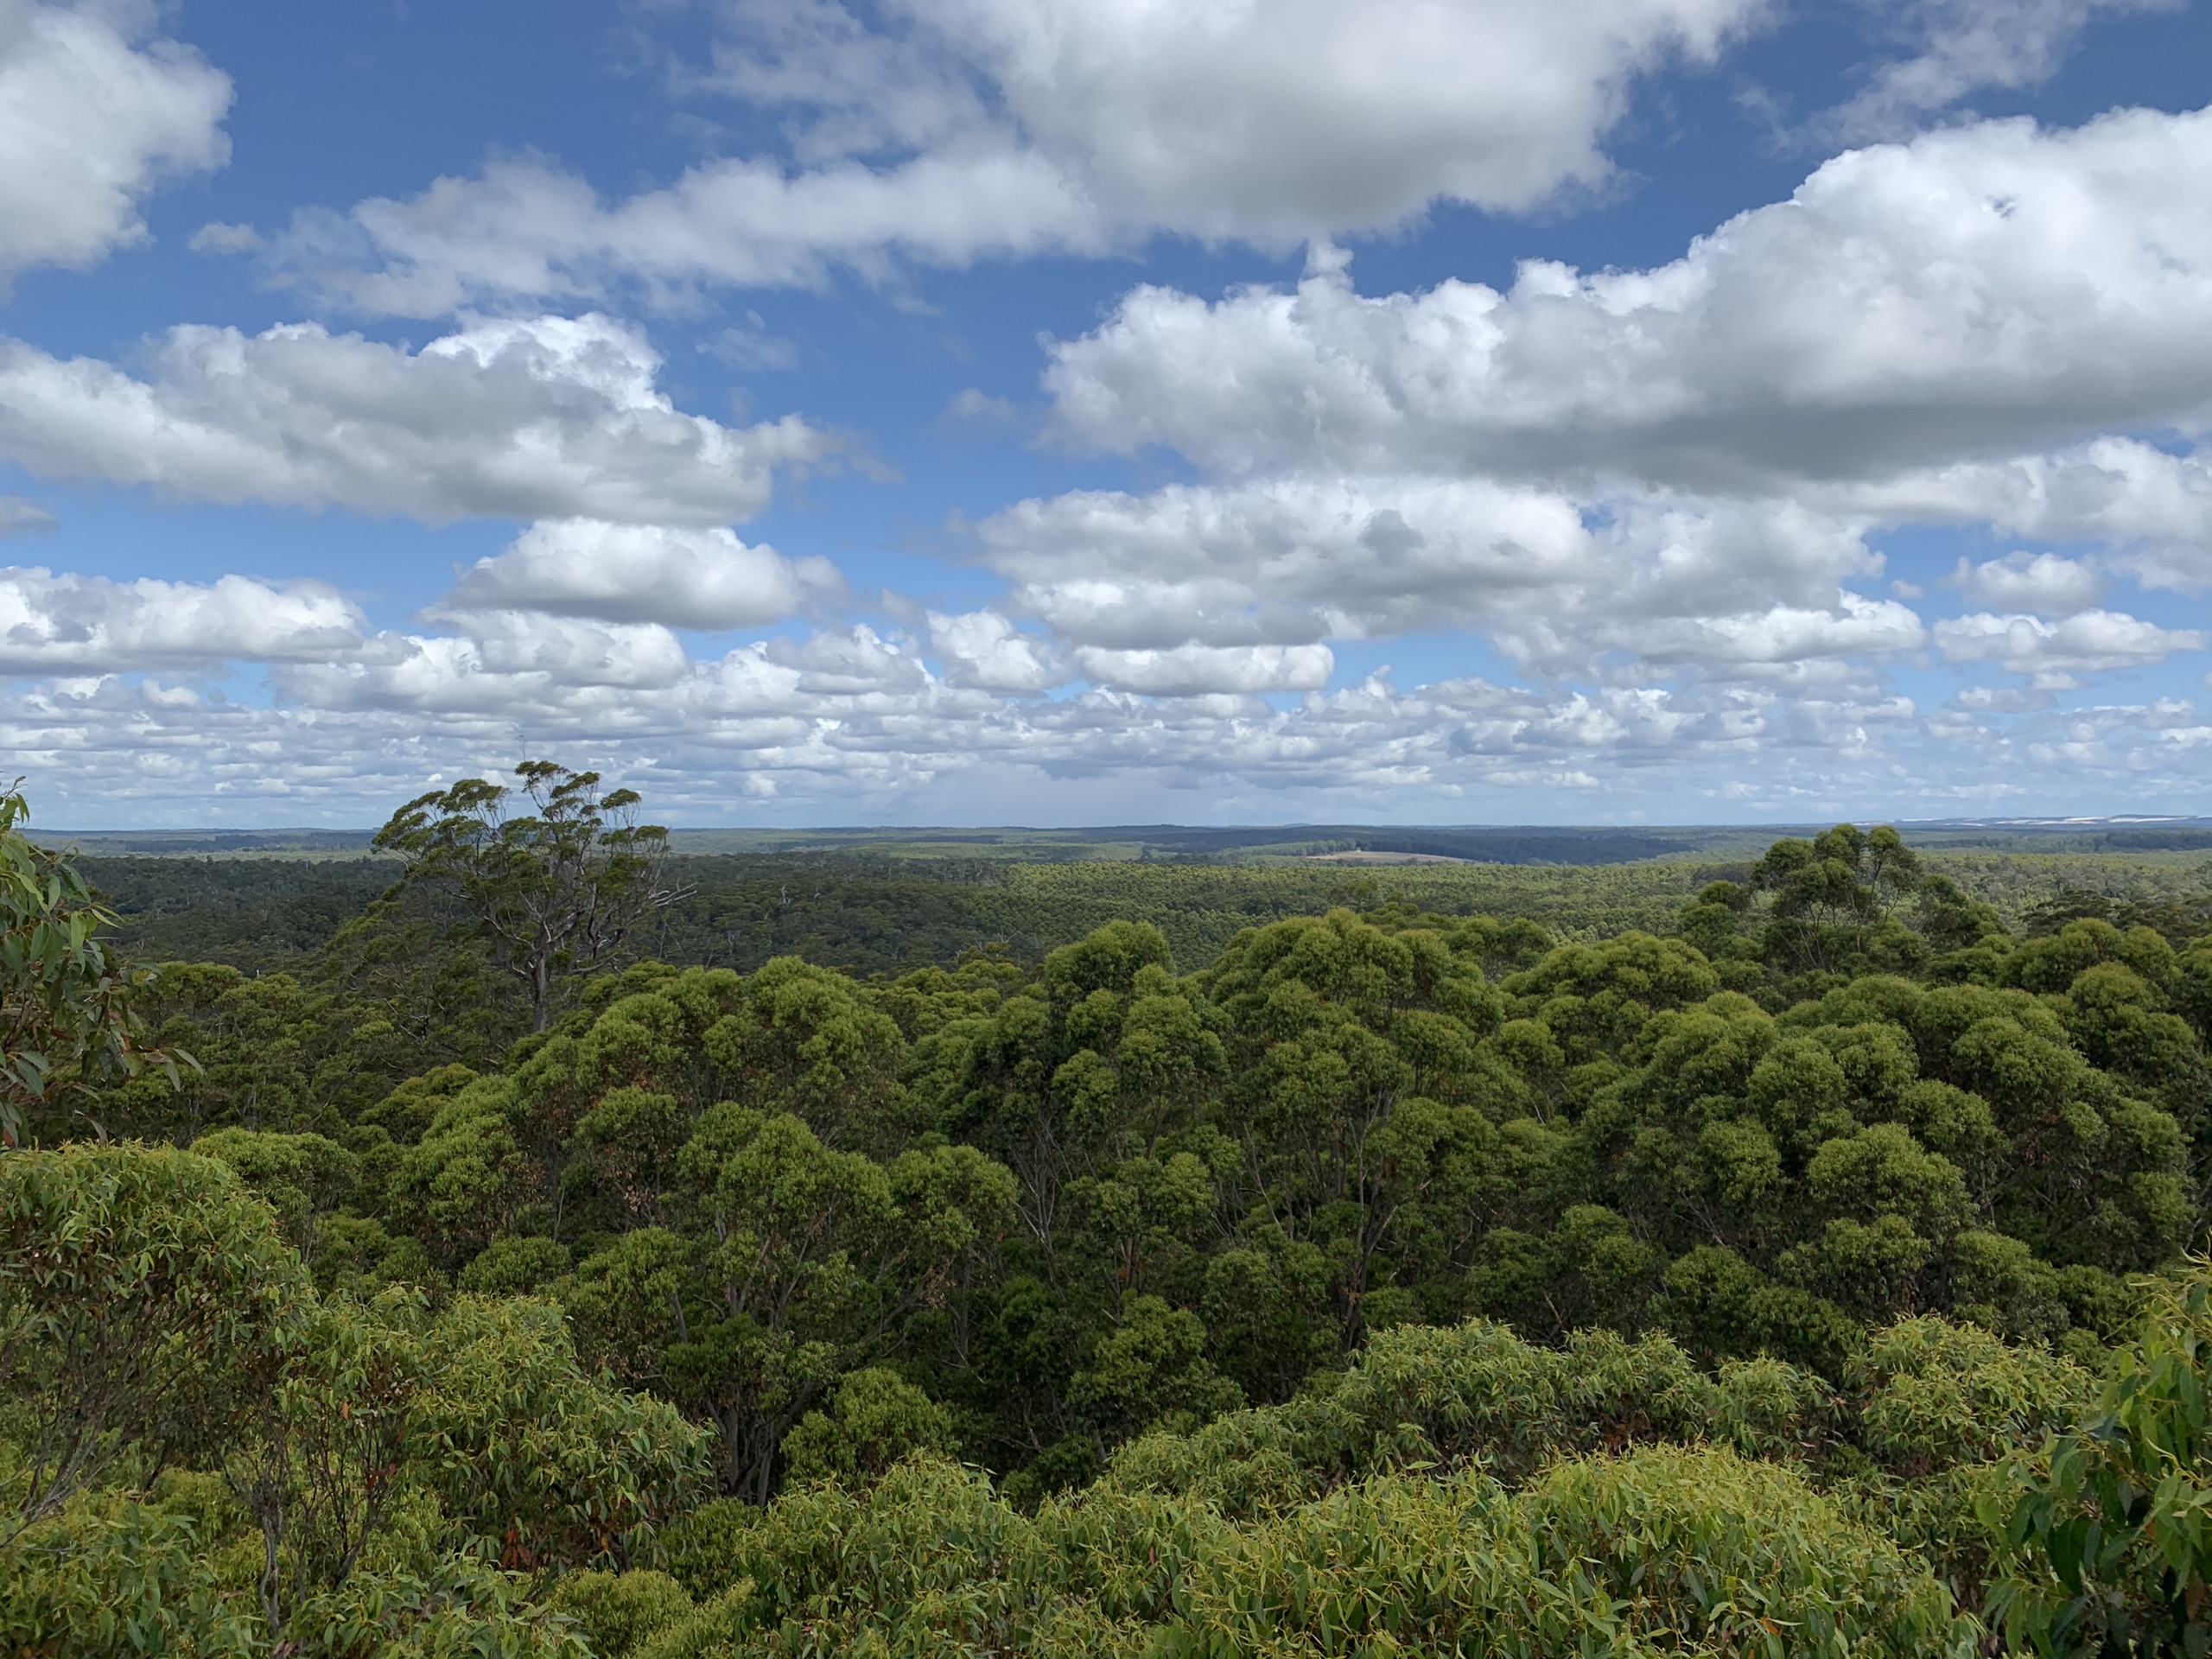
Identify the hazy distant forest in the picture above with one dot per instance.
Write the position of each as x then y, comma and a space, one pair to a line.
528, 1240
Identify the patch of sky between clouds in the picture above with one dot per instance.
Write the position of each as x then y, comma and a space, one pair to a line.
391, 568
1919, 562
1945, 572
1924, 565
1417, 660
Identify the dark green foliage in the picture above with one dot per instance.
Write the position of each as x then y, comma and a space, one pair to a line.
260, 915
1665, 1550
151, 1318
875, 1418
1378, 1279
1075, 1202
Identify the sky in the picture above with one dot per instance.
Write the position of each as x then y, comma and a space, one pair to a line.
1109, 411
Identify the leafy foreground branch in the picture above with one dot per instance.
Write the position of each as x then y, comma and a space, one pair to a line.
69, 1028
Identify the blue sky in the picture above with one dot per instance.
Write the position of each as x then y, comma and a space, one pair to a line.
1064, 411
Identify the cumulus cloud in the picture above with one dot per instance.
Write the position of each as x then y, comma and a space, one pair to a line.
1779, 635
2043, 582
2036, 645
93, 113
857, 662
1676, 470
678, 577
1977, 294
1654, 492
982, 648
2002, 699
70, 624
546, 417
1280, 561
1287, 118
1012, 127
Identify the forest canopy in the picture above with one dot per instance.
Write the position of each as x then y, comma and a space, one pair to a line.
1805, 1270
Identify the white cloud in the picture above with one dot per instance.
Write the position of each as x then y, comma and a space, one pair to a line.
643, 573
991, 128
510, 664
2091, 641
855, 663
1960, 47
1977, 294
1711, 587
70, 624
547, 417
1284, 119
525, 231
1195, 670
1653, 491
1779, 635
2002, 699
982, 648
1673, 472
2153, 507
92, 115
2043, 582
1280, 561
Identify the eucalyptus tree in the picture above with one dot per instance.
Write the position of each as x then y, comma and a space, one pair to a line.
551, 873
